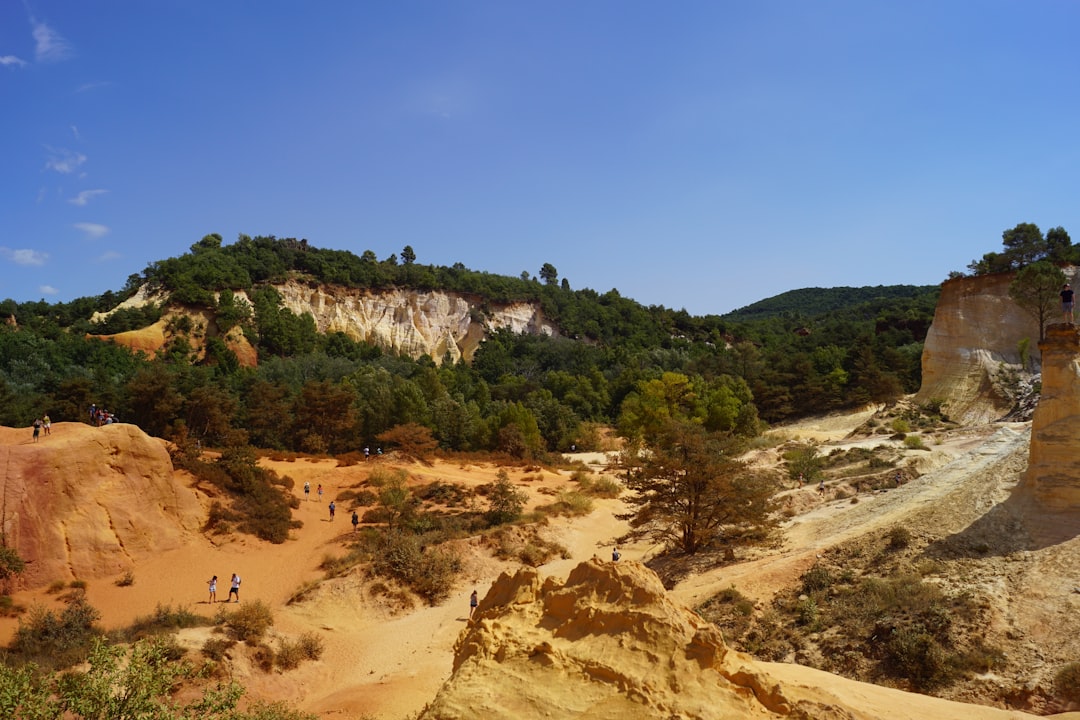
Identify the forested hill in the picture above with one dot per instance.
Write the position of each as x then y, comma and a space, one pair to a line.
615, 362
814, 302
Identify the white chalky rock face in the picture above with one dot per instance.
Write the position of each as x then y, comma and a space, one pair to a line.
974, 346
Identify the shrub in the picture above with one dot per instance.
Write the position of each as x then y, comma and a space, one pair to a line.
8, 608
913, 653
816, 578
250, 622
164, 619
126, 580
505, 502
429, 573
602, 486
57, 640
899, 538
1067, 682
569, 502
914, 442
215, 648
900, 425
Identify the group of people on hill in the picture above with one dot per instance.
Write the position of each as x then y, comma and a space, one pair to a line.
101, 416
42, 425
234, 588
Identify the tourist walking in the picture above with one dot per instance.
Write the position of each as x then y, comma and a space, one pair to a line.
307, 491
473, 602
355, 520
212, 582
333, 508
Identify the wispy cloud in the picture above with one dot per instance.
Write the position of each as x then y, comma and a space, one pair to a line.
92, 230
87, 87
11, 60
109, 256
85, 196
63, 160
24, 257
47, 290
49, 45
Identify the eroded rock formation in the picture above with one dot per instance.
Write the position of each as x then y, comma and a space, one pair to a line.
610, 644
88, 502
412, 322
1053, 473
974, 346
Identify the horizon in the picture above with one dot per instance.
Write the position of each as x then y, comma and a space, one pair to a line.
703, 157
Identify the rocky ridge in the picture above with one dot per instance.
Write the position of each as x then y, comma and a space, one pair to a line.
412, 322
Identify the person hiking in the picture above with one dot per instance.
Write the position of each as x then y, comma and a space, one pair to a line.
307, 491
821, 488
1067, 303
212, 582
333, 508
37, 428
615, 554
234, 588
473, 602
355, 520
46, 425
320, 492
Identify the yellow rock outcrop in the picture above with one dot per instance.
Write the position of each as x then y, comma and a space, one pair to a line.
1053, 473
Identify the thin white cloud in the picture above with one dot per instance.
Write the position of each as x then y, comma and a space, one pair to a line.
49, 45
92, 230
12, 60
47, 290
75, 132
24, 257
86, 87
85, 196
109, 256
63, 160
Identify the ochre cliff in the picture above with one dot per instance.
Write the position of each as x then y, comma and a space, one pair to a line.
610, 644
974, 344
410, 322
86, 502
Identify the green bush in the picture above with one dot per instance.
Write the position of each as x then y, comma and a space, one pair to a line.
250, 622
429, 572
816, 578
914, 442
899, 537
57, 640
164, 619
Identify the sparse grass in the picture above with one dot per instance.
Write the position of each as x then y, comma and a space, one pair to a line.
914, 442
164, 619
55, 586
569, 502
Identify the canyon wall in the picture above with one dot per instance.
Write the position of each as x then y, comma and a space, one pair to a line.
972, 350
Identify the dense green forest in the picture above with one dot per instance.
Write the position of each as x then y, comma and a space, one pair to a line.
617, 363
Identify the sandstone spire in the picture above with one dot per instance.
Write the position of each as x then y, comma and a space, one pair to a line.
1053, 472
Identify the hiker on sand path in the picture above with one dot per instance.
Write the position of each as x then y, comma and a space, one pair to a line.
212, 582
234, 588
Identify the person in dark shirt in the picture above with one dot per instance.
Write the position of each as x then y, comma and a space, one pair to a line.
1067, 303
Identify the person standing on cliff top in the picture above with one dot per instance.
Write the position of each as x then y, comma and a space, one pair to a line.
1067, 303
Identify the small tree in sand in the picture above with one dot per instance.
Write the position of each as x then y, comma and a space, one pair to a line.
1036, 289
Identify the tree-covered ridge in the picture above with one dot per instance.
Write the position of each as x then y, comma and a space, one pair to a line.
618, 363
813, 302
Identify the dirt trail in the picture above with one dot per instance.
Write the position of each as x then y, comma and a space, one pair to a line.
839, 520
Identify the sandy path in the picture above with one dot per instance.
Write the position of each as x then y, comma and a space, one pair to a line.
839, 520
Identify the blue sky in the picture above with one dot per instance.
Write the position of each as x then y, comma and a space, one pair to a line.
698, 155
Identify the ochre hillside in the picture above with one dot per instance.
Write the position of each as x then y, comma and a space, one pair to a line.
86, 502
